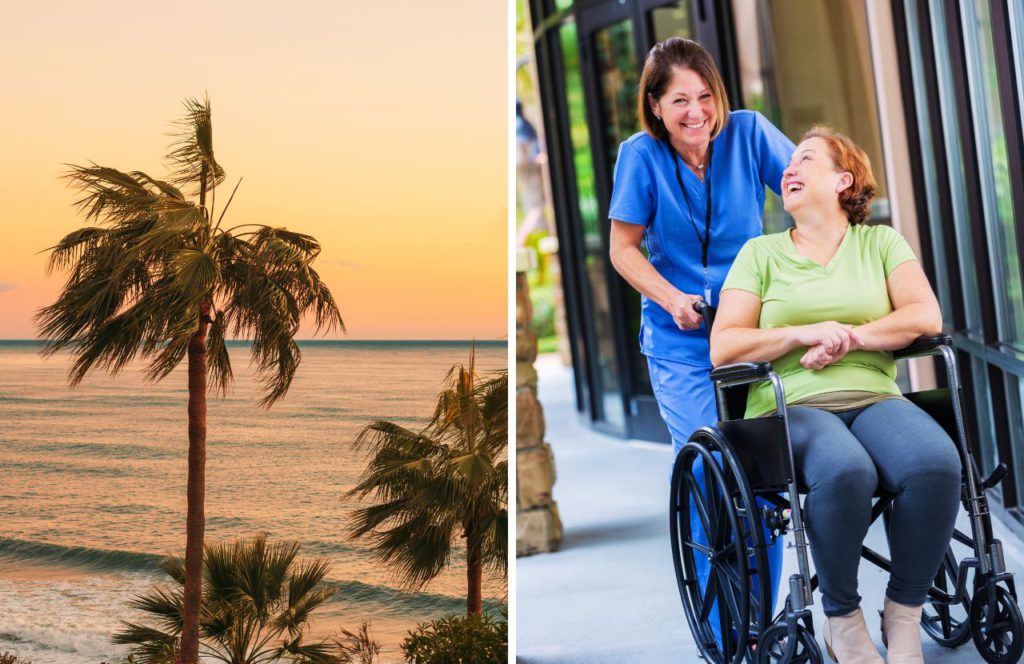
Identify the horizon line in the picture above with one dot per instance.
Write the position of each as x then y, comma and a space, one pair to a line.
315, 340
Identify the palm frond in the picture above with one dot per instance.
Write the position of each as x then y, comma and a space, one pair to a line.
72, 246
257, 599
149, 646
218, 360
191, 155
416, 549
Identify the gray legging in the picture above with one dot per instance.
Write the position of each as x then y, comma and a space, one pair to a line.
841, 458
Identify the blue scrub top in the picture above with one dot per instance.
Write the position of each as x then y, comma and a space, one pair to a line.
749, 154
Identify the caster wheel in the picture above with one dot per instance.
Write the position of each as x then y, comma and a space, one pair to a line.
774, 644
947, 625
998, 631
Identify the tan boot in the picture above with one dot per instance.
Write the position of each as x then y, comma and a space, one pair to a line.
901, 633
847, 640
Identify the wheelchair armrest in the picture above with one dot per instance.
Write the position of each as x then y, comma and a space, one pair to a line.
927, 345
741, 372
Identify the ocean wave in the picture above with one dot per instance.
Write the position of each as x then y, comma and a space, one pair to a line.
95, 646
106, 560
399, 602
390, 600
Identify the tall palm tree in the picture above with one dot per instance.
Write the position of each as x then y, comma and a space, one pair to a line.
448, 481
157, 277
259, 600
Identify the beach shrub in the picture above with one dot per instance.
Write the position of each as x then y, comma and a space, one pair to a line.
257, 603
11, 658
472, 639
357, 647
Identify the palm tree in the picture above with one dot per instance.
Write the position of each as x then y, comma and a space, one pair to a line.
158, 277
445, 482
258, 602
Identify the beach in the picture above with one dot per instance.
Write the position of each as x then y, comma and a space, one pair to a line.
93, 490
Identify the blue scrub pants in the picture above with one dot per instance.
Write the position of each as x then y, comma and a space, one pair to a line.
686, 398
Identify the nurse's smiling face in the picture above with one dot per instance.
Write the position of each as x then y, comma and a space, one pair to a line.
687, 110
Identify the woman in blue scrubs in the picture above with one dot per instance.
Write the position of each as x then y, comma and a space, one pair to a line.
691, 187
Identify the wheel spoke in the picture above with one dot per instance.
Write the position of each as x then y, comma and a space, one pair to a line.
697, 499
699, 547
708, 598
947, 628
711, 505
723, 529
727, 591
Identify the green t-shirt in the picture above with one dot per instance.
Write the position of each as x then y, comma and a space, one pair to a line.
794, 290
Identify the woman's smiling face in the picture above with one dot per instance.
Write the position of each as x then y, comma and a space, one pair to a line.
811, 179
687, 109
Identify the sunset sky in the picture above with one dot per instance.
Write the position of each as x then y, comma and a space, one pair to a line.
378, 128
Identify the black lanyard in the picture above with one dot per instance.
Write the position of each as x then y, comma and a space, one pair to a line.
705, 240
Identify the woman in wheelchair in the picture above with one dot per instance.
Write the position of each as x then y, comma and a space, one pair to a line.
825, 302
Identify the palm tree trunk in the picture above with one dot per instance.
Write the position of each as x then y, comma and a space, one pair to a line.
474, 572
195, 522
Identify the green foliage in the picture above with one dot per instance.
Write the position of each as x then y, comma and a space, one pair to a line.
257, 603
447, 481
542, 299
155, 267
474, 639
11, 658
356, 647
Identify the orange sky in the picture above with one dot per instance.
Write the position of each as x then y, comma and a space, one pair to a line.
378, 128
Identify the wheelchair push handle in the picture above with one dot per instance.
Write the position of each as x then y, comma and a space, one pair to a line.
707, 312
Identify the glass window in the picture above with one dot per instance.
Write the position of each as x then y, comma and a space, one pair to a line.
671, 21
607, 386
835, 87
927, 159
994, 171
955, 174
618, 80
1017, 38
985, 445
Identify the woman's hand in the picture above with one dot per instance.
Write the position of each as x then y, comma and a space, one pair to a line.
683, 313
833, 337
818, 356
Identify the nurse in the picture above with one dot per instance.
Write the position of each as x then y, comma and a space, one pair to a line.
691, 187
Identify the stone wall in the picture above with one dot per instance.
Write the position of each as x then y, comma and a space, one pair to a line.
538, 528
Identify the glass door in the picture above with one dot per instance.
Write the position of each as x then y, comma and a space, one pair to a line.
614, 40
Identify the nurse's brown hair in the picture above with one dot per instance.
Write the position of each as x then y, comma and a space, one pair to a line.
685, 54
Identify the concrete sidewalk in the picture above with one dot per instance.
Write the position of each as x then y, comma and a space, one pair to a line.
609, 596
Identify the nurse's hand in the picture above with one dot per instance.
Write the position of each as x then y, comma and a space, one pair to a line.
681, 308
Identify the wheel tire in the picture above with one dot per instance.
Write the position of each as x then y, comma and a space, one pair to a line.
998, 637
947, 625
771, 647
729, 575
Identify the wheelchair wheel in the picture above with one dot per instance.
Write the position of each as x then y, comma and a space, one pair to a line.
998, 632
772, 646
948, 625
730, 543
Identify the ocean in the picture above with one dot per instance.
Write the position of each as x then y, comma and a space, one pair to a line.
92, 486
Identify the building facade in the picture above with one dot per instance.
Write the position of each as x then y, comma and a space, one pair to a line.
932, 90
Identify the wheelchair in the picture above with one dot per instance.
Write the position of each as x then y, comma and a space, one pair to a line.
750, 498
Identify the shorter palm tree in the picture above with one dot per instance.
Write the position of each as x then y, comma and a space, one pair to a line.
257, 603
446, 482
